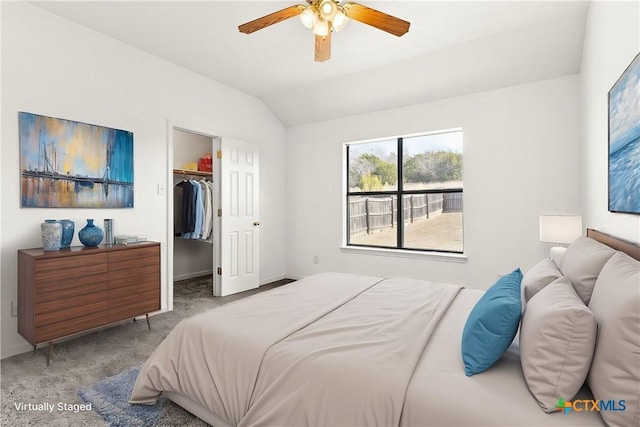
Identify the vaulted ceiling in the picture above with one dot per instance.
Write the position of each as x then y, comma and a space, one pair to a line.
452, 48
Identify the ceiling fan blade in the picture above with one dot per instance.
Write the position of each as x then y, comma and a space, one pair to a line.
323, 47
375, 18
272, 18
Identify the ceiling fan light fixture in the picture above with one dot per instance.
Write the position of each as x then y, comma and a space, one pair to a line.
328, 9
321, 28
309, 17
339, 21
325, 16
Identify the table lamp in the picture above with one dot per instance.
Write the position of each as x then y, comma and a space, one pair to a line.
559, 229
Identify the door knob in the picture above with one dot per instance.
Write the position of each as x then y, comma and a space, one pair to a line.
256, 223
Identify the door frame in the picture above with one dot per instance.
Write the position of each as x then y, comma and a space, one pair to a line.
215, 136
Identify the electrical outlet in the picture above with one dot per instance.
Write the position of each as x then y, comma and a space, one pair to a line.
316, 259
14, 309
160, 189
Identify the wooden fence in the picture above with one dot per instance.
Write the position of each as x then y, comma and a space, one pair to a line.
368, 214
452, 202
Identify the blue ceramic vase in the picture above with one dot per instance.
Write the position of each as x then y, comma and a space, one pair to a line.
90, 235
51, 231
68, 227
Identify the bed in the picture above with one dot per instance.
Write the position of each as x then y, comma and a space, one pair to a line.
339, 349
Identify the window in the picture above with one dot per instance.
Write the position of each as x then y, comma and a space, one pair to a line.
406, 193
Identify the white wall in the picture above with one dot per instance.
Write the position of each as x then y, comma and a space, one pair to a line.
53, 67
521, 159
612, 40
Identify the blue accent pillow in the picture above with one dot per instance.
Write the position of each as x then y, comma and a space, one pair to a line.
492, 324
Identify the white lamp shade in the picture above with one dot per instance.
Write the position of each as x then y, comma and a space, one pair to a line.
309, 17
328, 9
560, 228
321, 28
339, 21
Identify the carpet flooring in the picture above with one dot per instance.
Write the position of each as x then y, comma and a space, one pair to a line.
33, 393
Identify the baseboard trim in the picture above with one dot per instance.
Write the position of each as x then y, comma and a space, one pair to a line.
265, 281
272, 279
192, 275
16, 349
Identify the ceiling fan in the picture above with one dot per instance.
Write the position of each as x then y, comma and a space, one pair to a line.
325, 16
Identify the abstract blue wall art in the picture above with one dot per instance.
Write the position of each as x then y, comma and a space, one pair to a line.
68, 164
624, 141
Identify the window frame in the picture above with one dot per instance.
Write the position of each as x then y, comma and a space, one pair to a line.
399, 192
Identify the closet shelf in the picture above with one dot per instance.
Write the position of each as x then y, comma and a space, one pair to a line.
192, 173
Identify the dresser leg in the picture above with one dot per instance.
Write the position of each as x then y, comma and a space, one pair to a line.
148, 324
49, 352
34, 348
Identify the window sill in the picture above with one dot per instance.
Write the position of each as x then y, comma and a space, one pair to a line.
434, 256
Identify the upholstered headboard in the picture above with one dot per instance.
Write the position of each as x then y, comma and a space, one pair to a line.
614, 303
629, 248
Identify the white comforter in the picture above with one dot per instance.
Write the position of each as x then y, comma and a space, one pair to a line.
332, 349
342, 350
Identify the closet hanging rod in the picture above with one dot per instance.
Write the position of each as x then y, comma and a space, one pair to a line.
192, 173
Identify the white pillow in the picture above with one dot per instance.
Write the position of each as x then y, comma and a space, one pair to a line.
615, 370
557, 338
582, 263
537, 277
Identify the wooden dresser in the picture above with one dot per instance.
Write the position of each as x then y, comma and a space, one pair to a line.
73, 290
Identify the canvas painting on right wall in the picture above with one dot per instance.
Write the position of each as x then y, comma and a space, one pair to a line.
624, 141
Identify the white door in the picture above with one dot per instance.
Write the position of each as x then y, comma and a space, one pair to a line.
239, 222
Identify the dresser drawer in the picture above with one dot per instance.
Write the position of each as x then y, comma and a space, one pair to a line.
135, 257
64, 289
133, 308
53, 331
134, 276
58, 311
65, 268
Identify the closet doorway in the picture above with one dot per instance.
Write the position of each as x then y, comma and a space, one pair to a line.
230, 254
193, 206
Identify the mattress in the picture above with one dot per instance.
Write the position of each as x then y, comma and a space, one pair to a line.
338, 349
440, 394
